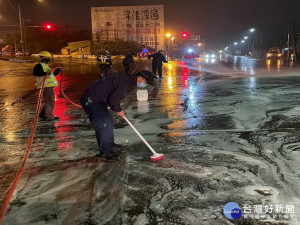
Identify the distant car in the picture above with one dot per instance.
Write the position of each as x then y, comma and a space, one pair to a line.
210, 55
274, 53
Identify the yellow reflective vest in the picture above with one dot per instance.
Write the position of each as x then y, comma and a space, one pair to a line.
50, 81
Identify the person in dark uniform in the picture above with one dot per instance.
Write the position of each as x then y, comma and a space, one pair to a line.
105, 63
127, 60
157, 62
109, 91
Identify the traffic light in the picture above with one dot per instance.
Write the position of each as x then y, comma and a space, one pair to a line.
184, 34
48, 26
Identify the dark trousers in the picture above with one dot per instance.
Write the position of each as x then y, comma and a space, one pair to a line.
102, 123
104, 70
49, 98
158, 67
126, 66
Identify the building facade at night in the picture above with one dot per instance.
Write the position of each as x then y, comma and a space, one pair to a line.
143, 24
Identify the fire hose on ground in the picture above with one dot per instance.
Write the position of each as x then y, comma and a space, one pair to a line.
25, 157
154, 157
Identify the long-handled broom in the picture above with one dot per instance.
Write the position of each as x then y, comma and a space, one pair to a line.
156, 156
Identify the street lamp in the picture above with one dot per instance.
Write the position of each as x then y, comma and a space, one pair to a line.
21, 26
252, 30
168, 35
235, 43
245, 37
21, 23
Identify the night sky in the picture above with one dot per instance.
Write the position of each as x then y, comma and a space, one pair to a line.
219, 22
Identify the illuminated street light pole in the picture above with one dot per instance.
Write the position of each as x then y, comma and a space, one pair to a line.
172, 47
22, 31
253, 44
21, 27
168, 35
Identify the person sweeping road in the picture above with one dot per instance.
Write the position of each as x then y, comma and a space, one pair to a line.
39, 71
109, 91
127, 60
157, 62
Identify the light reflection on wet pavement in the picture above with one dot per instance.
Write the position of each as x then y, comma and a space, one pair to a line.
229, 132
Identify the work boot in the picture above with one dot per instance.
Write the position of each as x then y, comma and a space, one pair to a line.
118, 149
109, 157
52, 118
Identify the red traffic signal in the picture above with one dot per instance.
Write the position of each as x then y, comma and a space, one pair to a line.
184, 34
48, 26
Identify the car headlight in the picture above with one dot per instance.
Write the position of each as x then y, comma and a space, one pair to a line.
207, 56
213, 56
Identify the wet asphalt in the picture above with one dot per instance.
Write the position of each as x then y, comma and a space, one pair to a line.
229, 131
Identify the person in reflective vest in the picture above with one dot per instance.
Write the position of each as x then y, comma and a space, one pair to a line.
105, 63
39, 71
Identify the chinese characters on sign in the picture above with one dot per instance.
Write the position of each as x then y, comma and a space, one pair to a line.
143, 24
145, 14
275, 211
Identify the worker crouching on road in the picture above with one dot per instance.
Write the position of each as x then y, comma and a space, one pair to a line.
39, 71
109, 91
105, 62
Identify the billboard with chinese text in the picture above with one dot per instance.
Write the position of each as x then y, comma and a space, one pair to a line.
143, 24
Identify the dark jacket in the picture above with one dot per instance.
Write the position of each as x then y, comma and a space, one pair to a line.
106, 62
158, 58
128, 59
110, 90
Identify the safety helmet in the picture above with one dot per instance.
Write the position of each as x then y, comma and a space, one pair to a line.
106, 52
45, 54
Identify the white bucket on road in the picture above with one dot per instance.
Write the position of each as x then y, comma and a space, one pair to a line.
142, 95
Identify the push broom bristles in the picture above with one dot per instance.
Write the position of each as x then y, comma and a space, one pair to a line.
156, 157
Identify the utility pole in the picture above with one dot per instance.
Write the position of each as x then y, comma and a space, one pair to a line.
24, 34
15, 42
21, 27
288, 46
253, 48
295, 41
261, 46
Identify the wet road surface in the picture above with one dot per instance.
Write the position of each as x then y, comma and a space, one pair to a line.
229, 131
